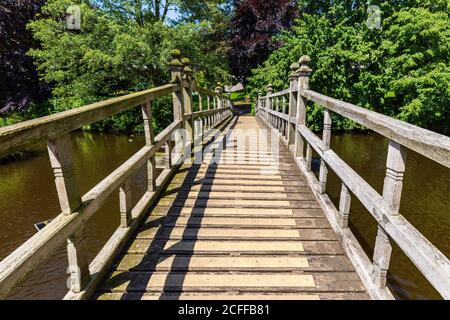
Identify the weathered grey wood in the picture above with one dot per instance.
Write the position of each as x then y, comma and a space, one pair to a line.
103, 261
344, 206
429, 144
149, 141
381, 258
61, 159
176, 68
326, 138
168, 154
39, 247
428, 259
126, 203
393, 182
78, 260
304, 73
18, 136
308, 157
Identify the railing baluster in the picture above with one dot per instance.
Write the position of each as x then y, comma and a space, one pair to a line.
60, 153
293, 84
326, 138
344, 205
392, 190
149, 141
308, 157
303, 84
126, 205
176, 69
78, 261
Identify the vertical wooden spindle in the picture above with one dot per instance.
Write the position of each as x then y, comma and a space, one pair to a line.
308, 157
60, 153
149, 141
176, 68
303, 84
392, 191
78, 261
326, 138
293, 85
344, 206
126, 204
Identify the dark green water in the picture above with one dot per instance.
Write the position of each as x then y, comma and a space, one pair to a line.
28, 195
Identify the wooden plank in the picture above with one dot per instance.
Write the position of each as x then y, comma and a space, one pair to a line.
235, 233
208, 296
196, 221
204, 263
211, 203
263, 247
163, 210
219, 221
241, 195
143, 281
210, 263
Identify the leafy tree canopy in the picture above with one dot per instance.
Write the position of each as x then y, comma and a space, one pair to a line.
111, 55
401, 69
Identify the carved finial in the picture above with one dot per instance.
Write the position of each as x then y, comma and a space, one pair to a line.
294, 68
269, 88
185, 61
304, 69
219, 87
175, 54
187, 70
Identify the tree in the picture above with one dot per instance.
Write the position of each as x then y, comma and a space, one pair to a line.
19, 83
111, 56
253, 27
401, 69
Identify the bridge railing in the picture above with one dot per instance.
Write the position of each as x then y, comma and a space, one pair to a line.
385, 207
77, 209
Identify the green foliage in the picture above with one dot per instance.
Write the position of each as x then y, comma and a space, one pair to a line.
401, 70
113, 56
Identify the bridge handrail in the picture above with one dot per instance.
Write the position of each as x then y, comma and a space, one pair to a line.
76, 209
428, 143
431, 262
17, 136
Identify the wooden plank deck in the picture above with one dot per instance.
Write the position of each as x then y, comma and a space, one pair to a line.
244, 227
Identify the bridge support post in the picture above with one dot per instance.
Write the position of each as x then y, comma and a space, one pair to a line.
392, 190
78, 261
344, 206
269, 105
60, 153
293, 85
304, 72
326, 138
126, 205
149, 141
176, 69
188, 102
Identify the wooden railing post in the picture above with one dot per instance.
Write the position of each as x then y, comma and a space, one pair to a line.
269, 104
392, 190
149, 141
187, 100
78, 261
326, 138
283, 111
176, 69
344, 206
303, 84
126, 205
60, 153
293, 85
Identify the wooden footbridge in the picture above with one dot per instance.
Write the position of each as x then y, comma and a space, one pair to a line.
236, 212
